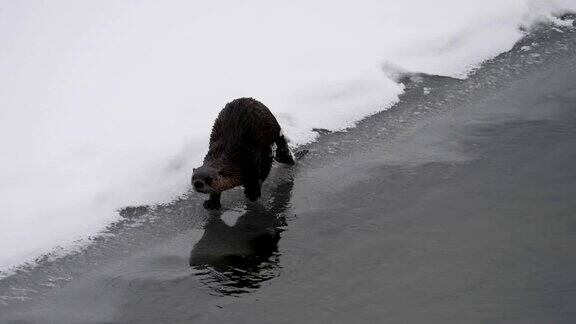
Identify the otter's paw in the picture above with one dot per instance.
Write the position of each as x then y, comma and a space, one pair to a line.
212, 204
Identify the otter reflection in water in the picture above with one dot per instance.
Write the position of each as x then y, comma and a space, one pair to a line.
238, 258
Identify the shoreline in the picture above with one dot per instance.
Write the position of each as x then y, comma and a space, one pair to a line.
415, 84
390, 133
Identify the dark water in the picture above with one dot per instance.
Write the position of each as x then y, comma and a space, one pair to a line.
455, 206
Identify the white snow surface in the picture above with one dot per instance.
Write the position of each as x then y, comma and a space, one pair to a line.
105, 104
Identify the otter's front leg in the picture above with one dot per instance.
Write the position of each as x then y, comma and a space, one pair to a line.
213, 202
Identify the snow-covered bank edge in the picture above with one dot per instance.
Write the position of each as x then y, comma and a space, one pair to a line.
148, 215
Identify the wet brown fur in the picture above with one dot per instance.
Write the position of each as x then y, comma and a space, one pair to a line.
241, 148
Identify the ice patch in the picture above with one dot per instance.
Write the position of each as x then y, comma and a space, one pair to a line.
563, 23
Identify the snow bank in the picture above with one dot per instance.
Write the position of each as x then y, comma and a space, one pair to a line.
108, 104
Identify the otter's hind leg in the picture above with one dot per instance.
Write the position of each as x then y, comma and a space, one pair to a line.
213, 202
265, 164
283, 152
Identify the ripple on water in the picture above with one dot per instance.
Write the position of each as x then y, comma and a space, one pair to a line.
157, 274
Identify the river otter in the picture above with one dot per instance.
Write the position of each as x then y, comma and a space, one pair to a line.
241, 151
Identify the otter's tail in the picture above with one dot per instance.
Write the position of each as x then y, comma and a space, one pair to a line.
283, 152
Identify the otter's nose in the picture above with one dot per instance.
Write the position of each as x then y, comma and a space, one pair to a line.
198, 184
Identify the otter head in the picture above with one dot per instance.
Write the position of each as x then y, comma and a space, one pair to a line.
203, 179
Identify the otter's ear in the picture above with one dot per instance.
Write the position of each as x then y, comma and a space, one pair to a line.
193, 169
